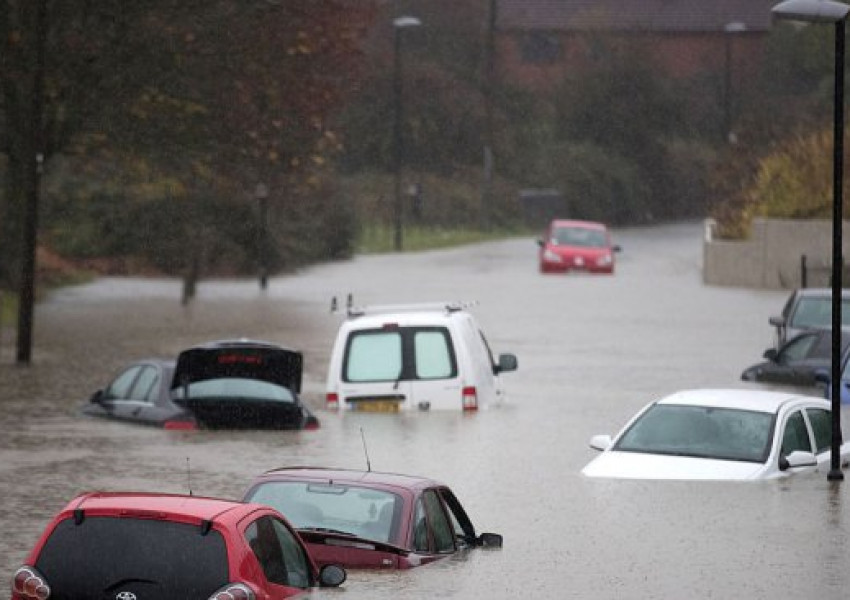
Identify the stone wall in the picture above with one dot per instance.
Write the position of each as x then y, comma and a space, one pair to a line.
771, 257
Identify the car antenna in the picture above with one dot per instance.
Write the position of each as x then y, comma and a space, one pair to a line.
365, 451
188, 475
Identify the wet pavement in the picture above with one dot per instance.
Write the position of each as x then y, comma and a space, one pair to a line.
591, 350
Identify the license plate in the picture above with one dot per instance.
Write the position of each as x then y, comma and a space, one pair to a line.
381, 406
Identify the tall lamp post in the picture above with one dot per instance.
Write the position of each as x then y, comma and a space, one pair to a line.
398, 137
262, 194
730, 29
827, 11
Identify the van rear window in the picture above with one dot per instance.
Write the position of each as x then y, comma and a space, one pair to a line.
103, 556
406, 353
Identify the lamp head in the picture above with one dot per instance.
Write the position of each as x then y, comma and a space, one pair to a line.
811, 11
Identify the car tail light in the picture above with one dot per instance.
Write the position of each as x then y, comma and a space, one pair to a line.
234, 591
332, 401
470, 398
180, 425
27, 583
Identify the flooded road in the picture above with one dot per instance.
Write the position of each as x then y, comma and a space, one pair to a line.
591, 350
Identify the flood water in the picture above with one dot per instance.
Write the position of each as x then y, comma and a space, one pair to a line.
591, 350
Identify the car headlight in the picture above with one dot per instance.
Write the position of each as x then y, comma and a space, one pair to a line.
550, 256
605, 260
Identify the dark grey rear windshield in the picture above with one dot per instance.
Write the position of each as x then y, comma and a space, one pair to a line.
156, 560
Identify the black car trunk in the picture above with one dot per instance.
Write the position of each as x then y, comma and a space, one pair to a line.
250, 360
255, 361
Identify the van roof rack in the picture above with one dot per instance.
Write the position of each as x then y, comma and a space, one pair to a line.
375, 309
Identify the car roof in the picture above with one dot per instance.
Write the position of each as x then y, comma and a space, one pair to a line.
408, 314
768, 401
820, 292
577, 223
352, 477
166, 506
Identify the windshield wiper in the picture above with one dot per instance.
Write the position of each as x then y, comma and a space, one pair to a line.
327, 530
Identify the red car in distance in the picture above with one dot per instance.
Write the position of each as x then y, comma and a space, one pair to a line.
570, 245
369, 520
140, 546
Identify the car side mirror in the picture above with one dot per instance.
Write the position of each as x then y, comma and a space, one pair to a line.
617, 248
332, 576
777, 321
489, 540
600, 442
507, 362
822, 378
770, 354
540, 242
97, 397
797, 459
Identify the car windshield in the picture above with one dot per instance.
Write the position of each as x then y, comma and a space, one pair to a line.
360, 511
234, 387
700, 431
150, 558
579, 236
815, 312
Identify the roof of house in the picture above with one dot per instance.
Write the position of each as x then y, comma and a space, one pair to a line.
642, 15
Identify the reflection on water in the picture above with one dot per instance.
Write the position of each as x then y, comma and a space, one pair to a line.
592, 350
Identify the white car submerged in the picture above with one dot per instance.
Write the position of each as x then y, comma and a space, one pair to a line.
720, 435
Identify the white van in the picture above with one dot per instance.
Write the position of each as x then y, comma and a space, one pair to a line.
418, 356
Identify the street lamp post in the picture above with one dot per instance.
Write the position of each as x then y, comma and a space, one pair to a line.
827, 11
730, 29
398, 136
262, 194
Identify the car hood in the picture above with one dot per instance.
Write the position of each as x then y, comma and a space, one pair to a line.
353, 552
634, 465
252, 361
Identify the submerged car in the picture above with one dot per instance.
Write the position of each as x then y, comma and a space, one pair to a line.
365, 519
720, 434
808, 308
240, 384
571, 245
797, 361
139, 546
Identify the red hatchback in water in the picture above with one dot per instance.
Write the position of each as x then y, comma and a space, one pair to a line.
569, 245
139, 546
364, 519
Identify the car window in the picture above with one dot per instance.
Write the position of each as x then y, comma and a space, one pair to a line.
433, 356
438, 522
795, 436
120, 387
817, 312
821, 422
279, 553
146, 385
579, 236
796, 349
700, 431
373, 356
110, 553
365, 512
399, 354
234, 387
421, 541
461, 525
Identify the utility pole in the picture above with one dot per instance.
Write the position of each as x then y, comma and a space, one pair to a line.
489, 85
34, 157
